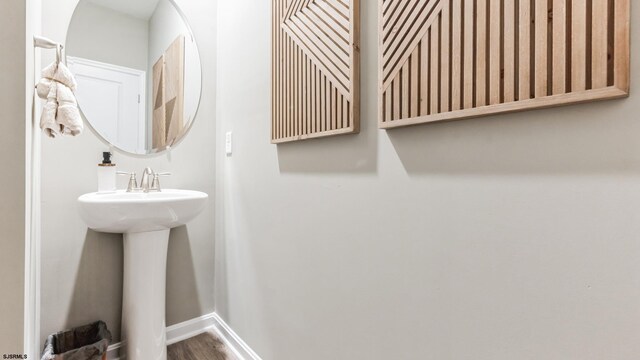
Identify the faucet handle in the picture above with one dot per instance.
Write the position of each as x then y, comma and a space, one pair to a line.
133, 182
155, 184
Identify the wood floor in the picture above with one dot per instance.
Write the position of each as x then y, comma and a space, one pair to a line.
206, 346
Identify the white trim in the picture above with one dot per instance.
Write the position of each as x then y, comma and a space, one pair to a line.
72, 60
190, 328
113, 351
31, 337
28, 334
232, 340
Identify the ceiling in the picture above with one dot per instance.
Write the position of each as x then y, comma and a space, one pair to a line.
142, 9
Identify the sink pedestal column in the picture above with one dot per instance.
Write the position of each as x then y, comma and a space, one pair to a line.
143, 298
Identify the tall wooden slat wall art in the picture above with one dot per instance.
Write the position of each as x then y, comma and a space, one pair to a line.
315, 69
454, 59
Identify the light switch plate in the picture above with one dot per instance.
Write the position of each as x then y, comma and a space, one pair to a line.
228, 144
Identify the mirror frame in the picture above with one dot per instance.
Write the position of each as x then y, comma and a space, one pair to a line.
167, 148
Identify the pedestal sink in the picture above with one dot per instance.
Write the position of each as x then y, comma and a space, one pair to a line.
145, 219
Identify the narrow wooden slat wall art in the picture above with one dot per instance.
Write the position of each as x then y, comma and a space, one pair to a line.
455, 59
315, 69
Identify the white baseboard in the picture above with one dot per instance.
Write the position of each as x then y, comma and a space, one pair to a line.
232, 340
113, 351
190, 328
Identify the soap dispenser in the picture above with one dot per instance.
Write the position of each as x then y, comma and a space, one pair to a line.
106, 174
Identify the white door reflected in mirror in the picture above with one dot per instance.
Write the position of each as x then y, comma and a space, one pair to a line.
138, 70
115, 98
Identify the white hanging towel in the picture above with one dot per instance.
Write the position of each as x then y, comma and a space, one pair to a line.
60, 115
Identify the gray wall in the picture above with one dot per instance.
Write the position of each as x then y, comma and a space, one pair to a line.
97, 31
82, 269
507, 237
12, 184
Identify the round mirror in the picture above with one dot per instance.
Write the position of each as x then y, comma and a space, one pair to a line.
138, 72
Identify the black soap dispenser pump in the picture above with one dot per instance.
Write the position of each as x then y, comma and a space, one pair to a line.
106, 174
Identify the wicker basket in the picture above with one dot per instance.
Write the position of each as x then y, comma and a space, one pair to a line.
88, 342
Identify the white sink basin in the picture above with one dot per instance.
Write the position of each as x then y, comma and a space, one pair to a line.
123, 212
145, 219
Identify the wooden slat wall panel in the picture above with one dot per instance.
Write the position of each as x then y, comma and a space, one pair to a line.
481, 52
495, 46
509, 61
425, 51
434, 65
578, 45
414, 90
559, 46
541, 36
621, 56
469, 54
524, 50
445, 48
454, 59
315, 69
599, 26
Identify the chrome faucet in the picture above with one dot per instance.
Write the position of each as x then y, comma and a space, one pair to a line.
146, 185
144, 182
